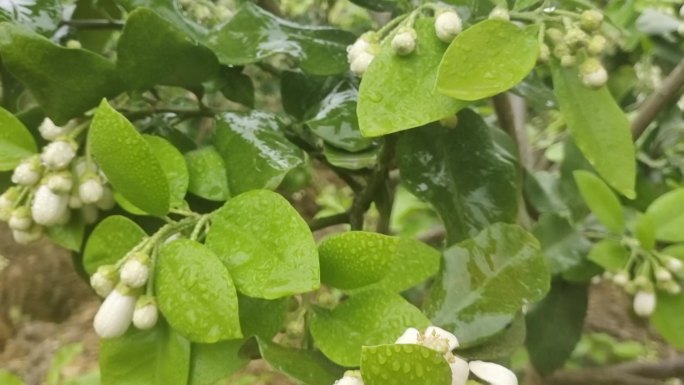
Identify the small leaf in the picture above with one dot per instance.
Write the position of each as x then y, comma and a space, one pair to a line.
668, 319
195, 293
396, 92
174, 167
69, 236
609, 254
601, 200
111, 240
368, 318
487, 59
261, 317
210, 363
644, 230
304, 366
128, 161
466, 299
667, 214
599, 127
16, 142
380, 365
208, 178
356, 258
266, 245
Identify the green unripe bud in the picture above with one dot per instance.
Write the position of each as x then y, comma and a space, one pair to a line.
597, 45
591, 20
555, 35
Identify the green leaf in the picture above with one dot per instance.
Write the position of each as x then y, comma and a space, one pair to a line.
384, 5
403, 365
153, 51
208, 177
487, 59
61, 358
16, 142
557, 323
254, 141
210, 363
196, 293
601, 200
500, 346
599, 127
467, 297
66, 82
667, 214
154, 357
42, 16
69, 236
266, 245
356, 258
129, 161
171, 11
261, 317
111, 240
7, 378
305, 366
237, 86
253, 34
368, 318
668, 319
462, 172
563, 245
397, 92
609, 254
93, 39
351, 160
173, 164
644, 230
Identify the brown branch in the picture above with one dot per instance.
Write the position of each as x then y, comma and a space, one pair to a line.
656, 102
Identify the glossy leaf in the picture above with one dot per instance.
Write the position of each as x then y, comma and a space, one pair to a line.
66, 82
356, 258
111, 240
500, 346
304, 366
153, 51
667, 214
16, 142
557, 323
261, 317
210, 363
174, 167
466, 298
161, 356
266, 245
256, 153
196, 293
601, 200
397, 92
487, 59
563, 245
669, 317
609, 254
70, 236
42, 16
301, 92
207, 172
469, 189
644, 230
253, 34
169, 10
351, 160
366, 319
237, 86
599, 127
403, 365
129, 161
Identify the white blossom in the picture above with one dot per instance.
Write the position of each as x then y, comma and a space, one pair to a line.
360, 65
593, 74
621, 278
58, 155
494, 374
361, 45
50, 131
459, 370
102, 281
447, 25
439, 339
48, 208
404, 42
115, 315
410, 337
27, 173
60, 183
90, 191
351, 377
644, 303
134, 273
145, 316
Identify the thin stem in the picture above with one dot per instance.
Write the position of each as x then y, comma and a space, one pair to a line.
94, 23
185, 112
199, 226
78, 130
333, 220
649, 111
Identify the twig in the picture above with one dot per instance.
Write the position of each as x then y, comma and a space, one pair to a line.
657, 101
184, 112
321, 223
93, 23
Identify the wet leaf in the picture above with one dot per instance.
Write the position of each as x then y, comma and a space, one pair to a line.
563, 245
208, 178
261, 317
42, 16
305, 366
351, 160
403, 365
16, 142
669, 317
169, 10
174, 167
609, 254
644, 231
210, 363
500, 346
667, 214
110, 241
601, 200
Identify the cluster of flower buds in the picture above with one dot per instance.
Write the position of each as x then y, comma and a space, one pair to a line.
51, 185
362, 52
208, 12
123, 304
579, 40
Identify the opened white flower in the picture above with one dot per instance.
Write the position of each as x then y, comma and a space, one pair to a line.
90, 190
146, 313
411, 336
644, 303
135, 271
50, 131
48, 208
447, 25
115, 314
351, 377
27, 173
494, 374
404, 42
439, 339
58, 155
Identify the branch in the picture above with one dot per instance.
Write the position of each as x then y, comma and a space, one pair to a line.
321, 223
93, 23
632, 373
658, 100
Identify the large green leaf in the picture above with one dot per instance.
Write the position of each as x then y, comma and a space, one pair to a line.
173, 164
563, 245
129, 161
609, 254
467, 298
601, 200
195, 293
469, 180
155, 357
171, 11
208, 177
95, 39
667, 214
210, 363
305, 366
261, 317
403, 365
355, 259
111, 240
599, 127
668, 319
16, 142
42, 16
66, 82
397, 92
556, 325
487, 59
253, 34
366, 319
266, 245
501, 346
255, 151
153, 51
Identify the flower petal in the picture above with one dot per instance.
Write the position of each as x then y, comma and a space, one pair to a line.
459, 371
494, 374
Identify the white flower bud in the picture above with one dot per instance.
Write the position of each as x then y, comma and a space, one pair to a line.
21, 219
591, 20
621, 278
201, 13
459, 370
26, 237
90, 190
644, 303
404, 42
58, 155
107, 201
146, 314
50, 131
499, 13
568, 61
410, 337
48, 208
351, 377
673, 264
27, 173
673, 288
103, 281
593, 74
494, 374
447, 25
439, 339
361, 45
575, 38
663, 275
360, 65
135, 271
89, 213
81, 166
597, 45
115, 315
60, 183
